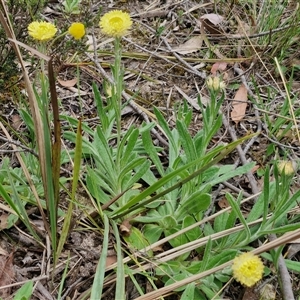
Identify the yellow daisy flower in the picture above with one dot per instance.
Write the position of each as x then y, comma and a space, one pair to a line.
42, 31
77, 30
247, 269
115, 23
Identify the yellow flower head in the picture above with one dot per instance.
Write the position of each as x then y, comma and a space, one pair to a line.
286, 167
42, 31
115, 23
215, 84
77, 30
247, 268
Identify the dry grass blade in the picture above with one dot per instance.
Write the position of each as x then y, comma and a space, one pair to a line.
271, 245
49, 183
289, 98
31, 96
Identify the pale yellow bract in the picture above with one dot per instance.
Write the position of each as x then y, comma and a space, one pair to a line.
77, 30
247, 269
115, 23
287, 167
42, 31
215, 84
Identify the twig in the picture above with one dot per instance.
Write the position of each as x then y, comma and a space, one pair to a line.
286, 286
251, 36
16, 143
189, 67
285, 282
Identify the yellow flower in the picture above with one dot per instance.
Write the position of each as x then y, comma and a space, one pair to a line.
115, 23
215, 84
42, 31
77, 30
247, 268
286, 167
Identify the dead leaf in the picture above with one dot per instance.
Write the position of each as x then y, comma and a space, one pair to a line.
190, 46
16, 121
223, 203
239, 106
268, 292
215, 19
125, 228
110, 260
218, 66
67, 83
254, 169
212, 22
6, 274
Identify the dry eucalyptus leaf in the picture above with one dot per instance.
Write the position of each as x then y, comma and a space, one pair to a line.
212, 23
67, 83
215, 19
239, 106
218, 66
110, 260
190, 46
268, 292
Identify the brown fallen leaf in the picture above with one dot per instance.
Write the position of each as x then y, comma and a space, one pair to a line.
67, 83
213, 18
218, 66
212, 23
268, 292
110, 260
6, 274
190, 46
125, 228
239, 106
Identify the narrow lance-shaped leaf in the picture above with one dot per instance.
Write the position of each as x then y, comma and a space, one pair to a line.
76, 173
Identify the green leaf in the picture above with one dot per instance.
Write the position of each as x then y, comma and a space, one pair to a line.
238, 212
293, 265
178, 240
194, 233
214, 156
228, 172
188, 293
136, 239
120, 280
98, 282
152, 232
220, 222
178, 277
266, 194
196, 203
144, 165
168, 222
206, 256
152, 152
131, 136
25, 292
186, 140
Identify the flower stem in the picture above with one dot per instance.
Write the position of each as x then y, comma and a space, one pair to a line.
118, 88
